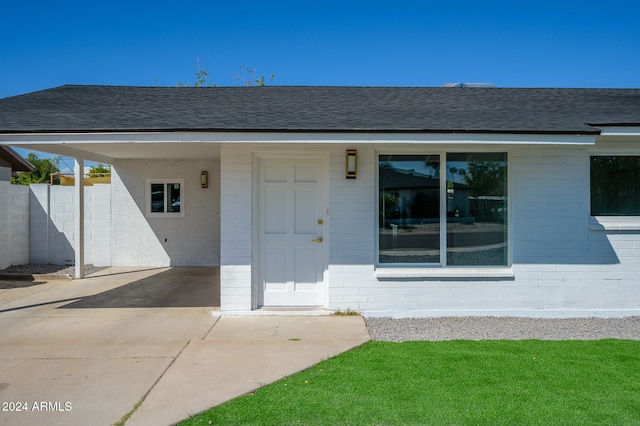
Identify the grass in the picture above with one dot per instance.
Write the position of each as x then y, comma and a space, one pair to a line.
528, 382
348, 312
127, 416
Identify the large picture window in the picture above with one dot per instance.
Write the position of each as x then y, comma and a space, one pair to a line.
447, 210
165, 198
615, 186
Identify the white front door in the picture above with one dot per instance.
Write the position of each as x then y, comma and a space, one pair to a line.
291, 209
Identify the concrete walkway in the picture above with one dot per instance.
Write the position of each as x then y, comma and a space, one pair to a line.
88, 351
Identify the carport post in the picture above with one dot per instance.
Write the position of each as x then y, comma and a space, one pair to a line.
78, 213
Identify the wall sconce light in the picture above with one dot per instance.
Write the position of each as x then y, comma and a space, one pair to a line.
352, 164
204, 179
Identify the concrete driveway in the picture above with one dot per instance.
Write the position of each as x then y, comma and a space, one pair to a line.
89, 351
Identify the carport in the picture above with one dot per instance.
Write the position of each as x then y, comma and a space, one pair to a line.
110, 149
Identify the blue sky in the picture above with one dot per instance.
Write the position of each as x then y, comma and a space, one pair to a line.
401, 43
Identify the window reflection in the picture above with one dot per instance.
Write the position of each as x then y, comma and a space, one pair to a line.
615, 186
157, 198
173, 197
474, 198
409, 209
477, 209
165, 197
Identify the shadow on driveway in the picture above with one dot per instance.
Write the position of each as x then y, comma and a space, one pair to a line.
178, 287
6, 285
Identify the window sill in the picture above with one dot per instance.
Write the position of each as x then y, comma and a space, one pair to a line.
614, 223
165, 215
444, 273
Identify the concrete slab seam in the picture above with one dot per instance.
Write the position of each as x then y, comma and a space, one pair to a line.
210, 328
141, 401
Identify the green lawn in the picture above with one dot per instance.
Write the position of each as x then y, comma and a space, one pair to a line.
527, 382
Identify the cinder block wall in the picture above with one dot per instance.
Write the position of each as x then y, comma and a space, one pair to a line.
61, 225
52, 225
97, 220
14, 224
39, 223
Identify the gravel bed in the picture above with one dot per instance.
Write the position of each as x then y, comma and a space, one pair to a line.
502, 328
49, 269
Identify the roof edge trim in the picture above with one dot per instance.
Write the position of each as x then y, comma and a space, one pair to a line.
70, 139
576, 132
620, 130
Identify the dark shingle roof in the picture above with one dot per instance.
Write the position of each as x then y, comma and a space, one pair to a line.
330, 109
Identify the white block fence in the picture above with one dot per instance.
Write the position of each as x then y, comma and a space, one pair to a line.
36, 224
14, 224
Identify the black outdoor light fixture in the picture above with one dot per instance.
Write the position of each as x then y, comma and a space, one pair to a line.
352, 164
204, 179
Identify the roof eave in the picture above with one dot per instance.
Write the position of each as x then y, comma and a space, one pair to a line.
18, 164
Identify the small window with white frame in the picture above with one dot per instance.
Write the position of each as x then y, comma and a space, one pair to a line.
165, 198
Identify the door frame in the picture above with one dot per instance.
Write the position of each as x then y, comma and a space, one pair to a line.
321, 156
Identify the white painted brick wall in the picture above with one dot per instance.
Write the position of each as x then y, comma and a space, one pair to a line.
353, 208
14, 224
236, 223
561, 268
192, 240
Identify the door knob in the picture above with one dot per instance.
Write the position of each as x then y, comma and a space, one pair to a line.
317, 240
